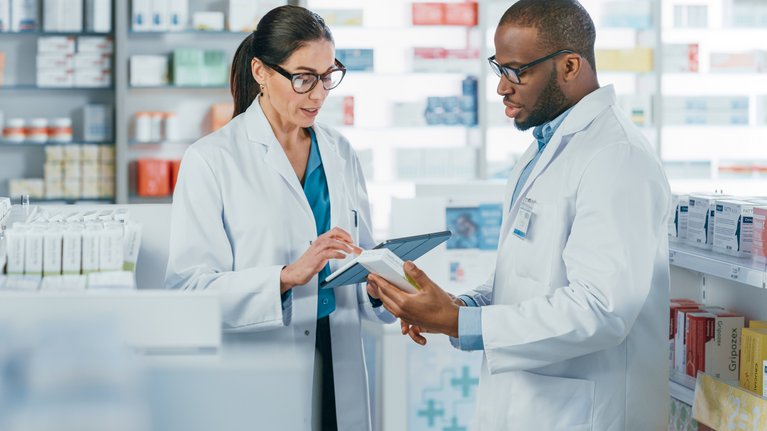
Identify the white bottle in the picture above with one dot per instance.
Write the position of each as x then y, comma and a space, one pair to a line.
171, 128
15, 130
156, 128
143, 129
60, 130
37, 130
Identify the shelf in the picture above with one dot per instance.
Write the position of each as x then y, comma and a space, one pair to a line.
133, 33
52, 33
68, 201
27, 144
34, 87
681, 387
179, 87
741, 270
150, 200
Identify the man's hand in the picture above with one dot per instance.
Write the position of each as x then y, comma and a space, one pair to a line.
431, 309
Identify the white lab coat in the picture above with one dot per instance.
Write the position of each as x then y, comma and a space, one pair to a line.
240, 214
575, 323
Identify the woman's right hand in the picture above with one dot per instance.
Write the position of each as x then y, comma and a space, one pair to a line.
333, 244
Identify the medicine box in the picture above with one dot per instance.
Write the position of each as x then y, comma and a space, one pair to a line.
700, 219
752, 356
153, 177
713, 343
388, 265
677, 226
733, 227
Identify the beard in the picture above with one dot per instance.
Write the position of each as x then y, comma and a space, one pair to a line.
550, 103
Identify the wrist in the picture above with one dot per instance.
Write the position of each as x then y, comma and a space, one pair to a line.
285, 277
452, 321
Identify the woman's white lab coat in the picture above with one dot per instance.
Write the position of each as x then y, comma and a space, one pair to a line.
575, 325
239, 215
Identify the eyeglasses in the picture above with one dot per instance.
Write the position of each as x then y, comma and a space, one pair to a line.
305, 82
513, 73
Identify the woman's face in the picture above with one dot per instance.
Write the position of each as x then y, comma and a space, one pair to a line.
288, 107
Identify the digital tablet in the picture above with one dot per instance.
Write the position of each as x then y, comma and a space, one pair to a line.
407, 248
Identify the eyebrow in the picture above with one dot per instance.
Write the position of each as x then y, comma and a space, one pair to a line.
312, 70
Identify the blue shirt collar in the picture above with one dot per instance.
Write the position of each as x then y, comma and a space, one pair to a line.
544, 132
315, 160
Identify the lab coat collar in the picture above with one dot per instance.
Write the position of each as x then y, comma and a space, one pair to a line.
582, 114
260, 131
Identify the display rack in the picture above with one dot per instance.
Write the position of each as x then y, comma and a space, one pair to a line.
741, 270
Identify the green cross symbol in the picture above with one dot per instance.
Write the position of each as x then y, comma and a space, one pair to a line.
431, 412
465, 381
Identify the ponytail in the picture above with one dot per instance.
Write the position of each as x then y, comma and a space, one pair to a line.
241, 83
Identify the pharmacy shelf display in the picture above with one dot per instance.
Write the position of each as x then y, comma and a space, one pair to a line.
57, 91
715, 45
738, 284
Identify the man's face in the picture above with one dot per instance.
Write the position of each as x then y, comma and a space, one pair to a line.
537, 99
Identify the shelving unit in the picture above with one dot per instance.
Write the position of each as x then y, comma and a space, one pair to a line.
737, 284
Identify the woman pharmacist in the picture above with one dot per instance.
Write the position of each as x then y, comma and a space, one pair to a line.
253, 210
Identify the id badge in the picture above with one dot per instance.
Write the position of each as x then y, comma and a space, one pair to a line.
524, 217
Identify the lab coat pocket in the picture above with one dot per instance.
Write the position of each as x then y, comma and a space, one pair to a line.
559, 403
532, 254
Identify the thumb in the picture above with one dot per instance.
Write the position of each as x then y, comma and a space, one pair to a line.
421, 279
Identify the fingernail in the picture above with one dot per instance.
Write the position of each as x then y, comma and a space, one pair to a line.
409, 265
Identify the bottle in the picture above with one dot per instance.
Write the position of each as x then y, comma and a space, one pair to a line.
171, 127
143, 130
60, 130
156, 128
37, 130
15, 130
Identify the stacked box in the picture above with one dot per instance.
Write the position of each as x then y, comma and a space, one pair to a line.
713, 343
681, 58
625, 60
675, 306
759, 239
55, 64
63, 16
700, 219
677, 224
752, 356
54, 172
706, 110
462, 14
153, 177
739, 62
733, 227
338, 111
358, 59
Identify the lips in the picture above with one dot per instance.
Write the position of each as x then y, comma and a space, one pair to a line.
511, 109
310, 111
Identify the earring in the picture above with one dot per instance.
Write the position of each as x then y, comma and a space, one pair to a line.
262, 87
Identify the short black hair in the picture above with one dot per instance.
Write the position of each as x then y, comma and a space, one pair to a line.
561, 24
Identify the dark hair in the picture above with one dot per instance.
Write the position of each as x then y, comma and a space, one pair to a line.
561, 24
281, 32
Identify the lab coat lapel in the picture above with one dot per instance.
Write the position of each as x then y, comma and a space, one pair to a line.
260, 131
584, 112
527, 156
333, 163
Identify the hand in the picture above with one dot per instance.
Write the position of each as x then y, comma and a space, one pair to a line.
333, 244
431, 309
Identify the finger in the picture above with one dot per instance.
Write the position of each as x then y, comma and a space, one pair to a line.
404, 326
339, 233
373, 291
390, 294
421, 279
416, 336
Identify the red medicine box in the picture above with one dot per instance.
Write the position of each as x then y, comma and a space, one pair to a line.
153, 177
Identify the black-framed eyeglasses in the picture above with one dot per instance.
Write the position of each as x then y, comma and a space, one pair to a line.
513, 73
305, 82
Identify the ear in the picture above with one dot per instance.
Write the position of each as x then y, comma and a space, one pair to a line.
571, 67
258, 70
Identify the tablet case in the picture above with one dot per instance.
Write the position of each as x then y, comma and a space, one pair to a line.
407, 248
